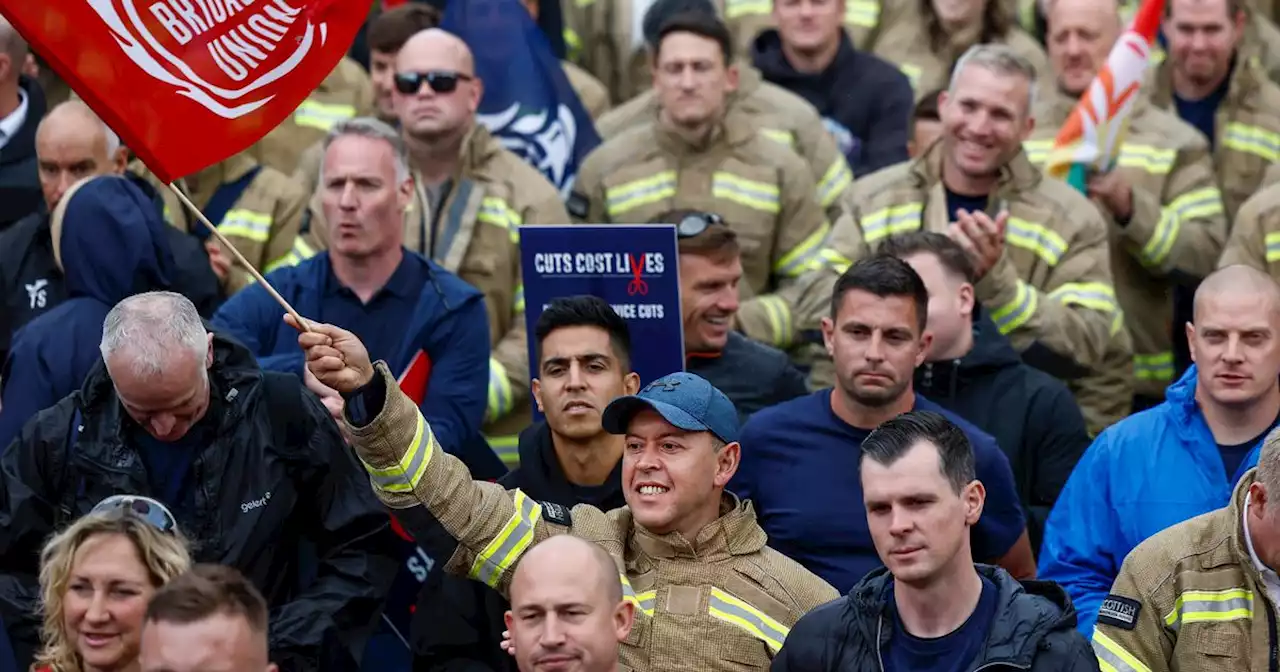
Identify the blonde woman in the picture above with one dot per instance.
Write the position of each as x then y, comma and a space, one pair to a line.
97, 577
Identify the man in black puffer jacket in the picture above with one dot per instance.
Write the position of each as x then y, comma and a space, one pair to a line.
931, 609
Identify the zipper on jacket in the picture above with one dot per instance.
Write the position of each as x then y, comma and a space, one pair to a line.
879, 639
1273, 656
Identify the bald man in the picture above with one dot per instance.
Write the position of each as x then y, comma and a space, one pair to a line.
22, 104
1179, 459
567, 610
72, 143
470, 195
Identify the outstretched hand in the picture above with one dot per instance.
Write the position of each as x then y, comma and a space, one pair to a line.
334, 356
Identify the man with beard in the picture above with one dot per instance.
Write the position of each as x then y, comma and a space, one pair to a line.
876, 336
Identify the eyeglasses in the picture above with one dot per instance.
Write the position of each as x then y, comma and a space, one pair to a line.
149, 510
440, 81
695, 223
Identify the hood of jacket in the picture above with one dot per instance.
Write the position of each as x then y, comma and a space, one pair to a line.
768, 57
110, 242
1180, 397
541, 477
1026, 612
991, 352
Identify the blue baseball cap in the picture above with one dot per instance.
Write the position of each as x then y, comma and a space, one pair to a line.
685, 400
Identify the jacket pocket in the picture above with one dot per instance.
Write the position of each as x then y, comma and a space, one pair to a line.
745, 653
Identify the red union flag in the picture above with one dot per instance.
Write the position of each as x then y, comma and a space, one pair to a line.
188, 83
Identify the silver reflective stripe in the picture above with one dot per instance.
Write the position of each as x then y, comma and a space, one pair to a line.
514, 539
1198, 606
730, 609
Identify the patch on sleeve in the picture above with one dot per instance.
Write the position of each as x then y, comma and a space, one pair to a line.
578, 205
554, 513
1120, 612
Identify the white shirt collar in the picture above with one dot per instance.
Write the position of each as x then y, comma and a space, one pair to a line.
12, 124
1269, 577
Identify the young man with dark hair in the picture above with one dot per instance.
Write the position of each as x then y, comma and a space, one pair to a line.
926, 124
876, 336
753, 375
930, 608
210, 619
973, 371
584, 355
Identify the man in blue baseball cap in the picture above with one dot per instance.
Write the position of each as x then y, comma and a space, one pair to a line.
692, 558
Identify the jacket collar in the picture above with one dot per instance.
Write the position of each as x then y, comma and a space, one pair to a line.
541, 476
1242, 83
735, 532
1015, 176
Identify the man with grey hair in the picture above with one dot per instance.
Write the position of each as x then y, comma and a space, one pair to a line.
22, 105
1039, 248
248, 461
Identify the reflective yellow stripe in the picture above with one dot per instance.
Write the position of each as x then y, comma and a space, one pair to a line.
1147, 158
517, 306
1112, 656
1037, 151
864, 13
584, 3
573, 43
246, 224
514, 539
779, 315
837, 178
1206, 202
1096, 295
1198, 606
730, 609
322, 116
760, 196
1041, 241
408, 471
1014, 314
912, 72
1117, 322
643, 601
1155, 367
495, 211
736, 9
1252, 140
803, 257
779, 136
299, 253
507, 448
501, 401
891, 221
1273, 246
833, 259
632, 195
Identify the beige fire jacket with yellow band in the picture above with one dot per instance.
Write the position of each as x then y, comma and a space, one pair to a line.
722, 601
1175, 231
476, 236
763, 191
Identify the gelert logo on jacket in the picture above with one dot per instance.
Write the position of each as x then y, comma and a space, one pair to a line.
231, 51
255, 503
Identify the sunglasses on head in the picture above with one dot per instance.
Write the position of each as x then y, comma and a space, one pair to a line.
440, 81
697, 222
149, 510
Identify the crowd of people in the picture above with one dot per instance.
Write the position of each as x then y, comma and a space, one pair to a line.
939, 411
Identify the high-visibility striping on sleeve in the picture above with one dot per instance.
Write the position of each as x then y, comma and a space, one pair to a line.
1200, 606
1252, 140
1206, 202
1113, 657
779, 136
299, 253
805, 256
891, 221
756, 195
1273, 247
837, 178
495, 211
736, 9
501, 401
507, 448
517, 302
1149, 159
834, 260
1015, 313
1039, 240
573, 44
1096, 295
322, 116
512, 541
631, 195
404, 476
247, 224
778, 313
862, 13
730, 609
1157, 367
643, 601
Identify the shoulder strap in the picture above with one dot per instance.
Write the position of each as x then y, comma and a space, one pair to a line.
223, 199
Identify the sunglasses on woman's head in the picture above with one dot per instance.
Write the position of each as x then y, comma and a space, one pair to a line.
440, 81
695, 223
149, 510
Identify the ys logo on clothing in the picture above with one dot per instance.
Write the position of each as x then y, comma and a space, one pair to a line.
36, 292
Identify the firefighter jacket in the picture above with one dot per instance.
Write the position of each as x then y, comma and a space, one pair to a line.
762, 190
1192, 598
1247, 125
474, 234
721, 601
906, 44
1051, 293
1255, 238
775, 113
1175, 231
262, 223
594, 97
345, 94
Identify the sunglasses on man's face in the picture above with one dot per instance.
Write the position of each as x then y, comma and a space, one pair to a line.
694, 224
440, 81
149, 510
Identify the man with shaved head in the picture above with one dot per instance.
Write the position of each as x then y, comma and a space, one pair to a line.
22, 104
567, 610
1177, 460
71, 144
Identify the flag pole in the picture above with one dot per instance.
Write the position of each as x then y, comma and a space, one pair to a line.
302, 322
